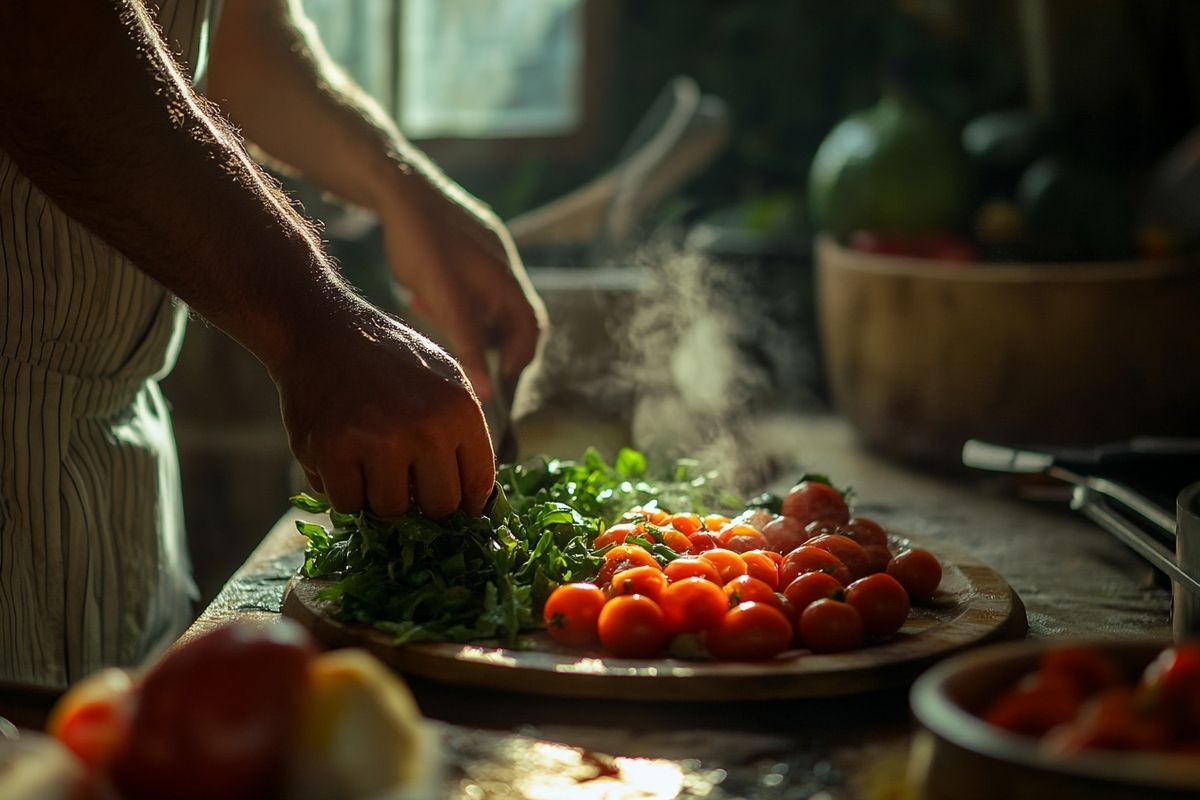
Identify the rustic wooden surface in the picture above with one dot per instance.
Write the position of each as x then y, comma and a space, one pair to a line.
1074, 579
973, 605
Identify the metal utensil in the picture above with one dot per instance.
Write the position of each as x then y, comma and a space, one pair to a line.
1166, 533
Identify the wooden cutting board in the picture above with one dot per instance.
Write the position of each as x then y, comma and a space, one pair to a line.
972, 606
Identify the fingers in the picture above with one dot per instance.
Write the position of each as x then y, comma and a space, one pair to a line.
477, 470
343, 481
388, 487
436, 487
518, 349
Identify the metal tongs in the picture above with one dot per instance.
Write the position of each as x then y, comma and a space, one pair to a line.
1169, 543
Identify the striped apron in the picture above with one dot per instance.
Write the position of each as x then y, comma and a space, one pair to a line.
93, 564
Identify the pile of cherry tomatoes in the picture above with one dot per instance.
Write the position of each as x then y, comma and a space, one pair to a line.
1078, 700
747, 588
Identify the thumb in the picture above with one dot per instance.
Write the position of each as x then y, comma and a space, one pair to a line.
469, 344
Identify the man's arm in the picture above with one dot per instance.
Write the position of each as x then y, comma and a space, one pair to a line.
271, 75
97, 115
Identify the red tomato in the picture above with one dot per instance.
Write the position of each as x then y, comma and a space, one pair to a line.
1035, 706
830, 626
1087, 668
746, 589
715, 522
847, 551
647, 581
655, 516
809, 501
633, 626
1112, 720
703, 541
784, 534
92, 718
617, 534
881, 602
771, 554
692, 567
760, 565
750, 632
693, 604
918, 572
811, 587
742, 539
215, 716
820, 527
867, 532
811, 559
887, 244
677, 541
728, 563
878, 558
639, 556
572, 612
687, 524
1173, 681
789, 610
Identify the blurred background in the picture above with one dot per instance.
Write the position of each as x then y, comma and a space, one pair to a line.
670, 170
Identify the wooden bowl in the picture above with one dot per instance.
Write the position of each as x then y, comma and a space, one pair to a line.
956, 754
922, 355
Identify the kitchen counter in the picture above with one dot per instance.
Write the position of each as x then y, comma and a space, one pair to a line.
1075, 580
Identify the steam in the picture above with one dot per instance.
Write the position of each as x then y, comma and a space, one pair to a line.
690, 362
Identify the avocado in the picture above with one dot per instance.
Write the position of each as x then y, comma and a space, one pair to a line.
1075, 209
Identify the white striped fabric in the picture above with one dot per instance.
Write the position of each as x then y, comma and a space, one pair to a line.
93, 564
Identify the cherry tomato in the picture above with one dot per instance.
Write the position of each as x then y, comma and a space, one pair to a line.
1087, 668
693, 604
878, 558
1112, 720
572, 612
1173, 681
215, 717
633, 626
830, 626
692, 567
687, 524
647, 581
811, 559
617, 534
867, 532
789, 610
784, 534
746, 589
881, 602
820, 527
622, 557
918, 572
655, 516
810, 500
811, 587
762, 566
750, 632
728, 563
677, 541
703, 541
1035, 706
847, 551
715, 522
92, 718
742, 538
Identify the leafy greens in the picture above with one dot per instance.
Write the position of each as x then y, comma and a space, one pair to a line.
467, 578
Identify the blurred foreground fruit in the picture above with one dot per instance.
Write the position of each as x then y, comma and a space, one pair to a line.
359, 731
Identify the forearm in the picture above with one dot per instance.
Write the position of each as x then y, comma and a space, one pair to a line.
99, 118
270, 73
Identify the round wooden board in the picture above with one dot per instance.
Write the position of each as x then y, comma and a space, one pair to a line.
973, 605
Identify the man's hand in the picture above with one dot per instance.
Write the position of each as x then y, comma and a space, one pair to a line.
458, 262
385, 416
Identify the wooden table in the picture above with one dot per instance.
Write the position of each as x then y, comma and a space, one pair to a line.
1074, 578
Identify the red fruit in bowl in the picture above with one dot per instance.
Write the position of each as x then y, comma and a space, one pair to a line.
811, 559
867, 532
214, 718
847, 551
